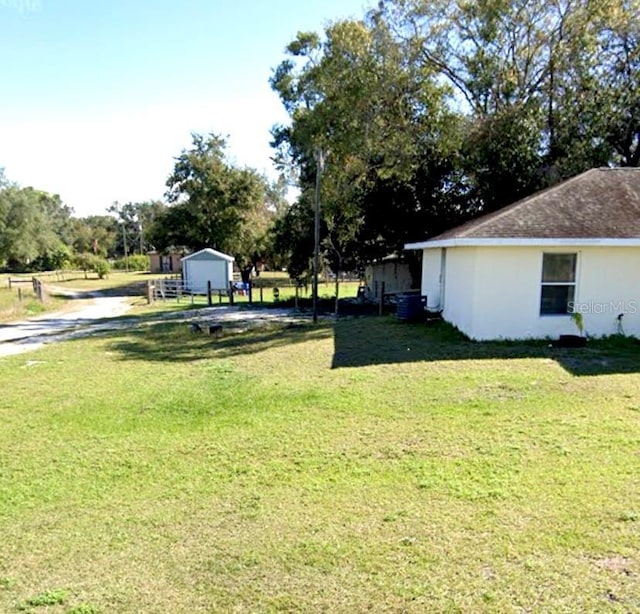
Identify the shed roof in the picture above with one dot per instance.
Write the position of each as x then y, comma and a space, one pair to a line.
208, 254
600, 205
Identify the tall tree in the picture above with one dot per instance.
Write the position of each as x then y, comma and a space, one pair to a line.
376, 116
33, 225
563, 74
214, 203
96, 234
135, 221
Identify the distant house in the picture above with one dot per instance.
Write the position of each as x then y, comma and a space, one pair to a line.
391, 273
519, 272
207, 265
165, 263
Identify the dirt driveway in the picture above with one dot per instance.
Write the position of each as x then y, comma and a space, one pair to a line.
86, 315
101, 313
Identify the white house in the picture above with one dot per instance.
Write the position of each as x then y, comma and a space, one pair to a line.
519, 272
207, 265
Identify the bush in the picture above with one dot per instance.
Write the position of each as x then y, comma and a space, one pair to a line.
101, 267
91, 262
137, 262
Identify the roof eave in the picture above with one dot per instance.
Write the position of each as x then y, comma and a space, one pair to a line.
526, 242
212, 251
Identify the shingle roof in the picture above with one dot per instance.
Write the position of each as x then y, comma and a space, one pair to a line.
600, 203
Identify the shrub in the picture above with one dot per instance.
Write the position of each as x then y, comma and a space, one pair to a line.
137, 262
101, 267
90, 262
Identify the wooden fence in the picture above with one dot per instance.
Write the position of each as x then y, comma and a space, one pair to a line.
37, 285
172, 288
175, 289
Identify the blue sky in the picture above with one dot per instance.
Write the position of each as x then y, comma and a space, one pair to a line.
98, 96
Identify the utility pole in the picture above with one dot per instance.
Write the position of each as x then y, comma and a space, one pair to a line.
124, 242
319, 158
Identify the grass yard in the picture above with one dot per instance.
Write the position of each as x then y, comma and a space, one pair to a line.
20, 301
114, 281
366, 465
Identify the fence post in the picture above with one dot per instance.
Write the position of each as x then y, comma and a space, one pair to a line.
261, 294
149, 292
296, 300
37, 288
9, 280
20, 295
381, 306
178, 289
231, 293
209, 301
250, 291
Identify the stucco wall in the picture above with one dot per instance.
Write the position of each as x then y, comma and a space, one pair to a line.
609, 284
494, 292
459, 288
507, 297
431, 260
173, 263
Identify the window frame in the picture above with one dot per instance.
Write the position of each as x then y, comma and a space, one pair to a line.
559, 284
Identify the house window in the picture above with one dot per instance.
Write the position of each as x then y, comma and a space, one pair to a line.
558, 283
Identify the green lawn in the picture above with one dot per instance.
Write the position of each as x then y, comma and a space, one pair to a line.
20, 301
115, 280
368, 465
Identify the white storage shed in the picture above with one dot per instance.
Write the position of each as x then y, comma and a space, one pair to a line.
204, 266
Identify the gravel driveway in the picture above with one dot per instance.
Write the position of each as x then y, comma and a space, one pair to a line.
88, 315
99, 314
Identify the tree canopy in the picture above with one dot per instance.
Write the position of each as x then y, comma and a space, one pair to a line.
39, 232
432, 111
34, 227
213, 203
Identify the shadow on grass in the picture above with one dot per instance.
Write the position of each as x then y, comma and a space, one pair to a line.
174, 342
384, 340
366, 341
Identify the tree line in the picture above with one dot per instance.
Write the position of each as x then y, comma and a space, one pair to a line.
38, 232
430, 112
